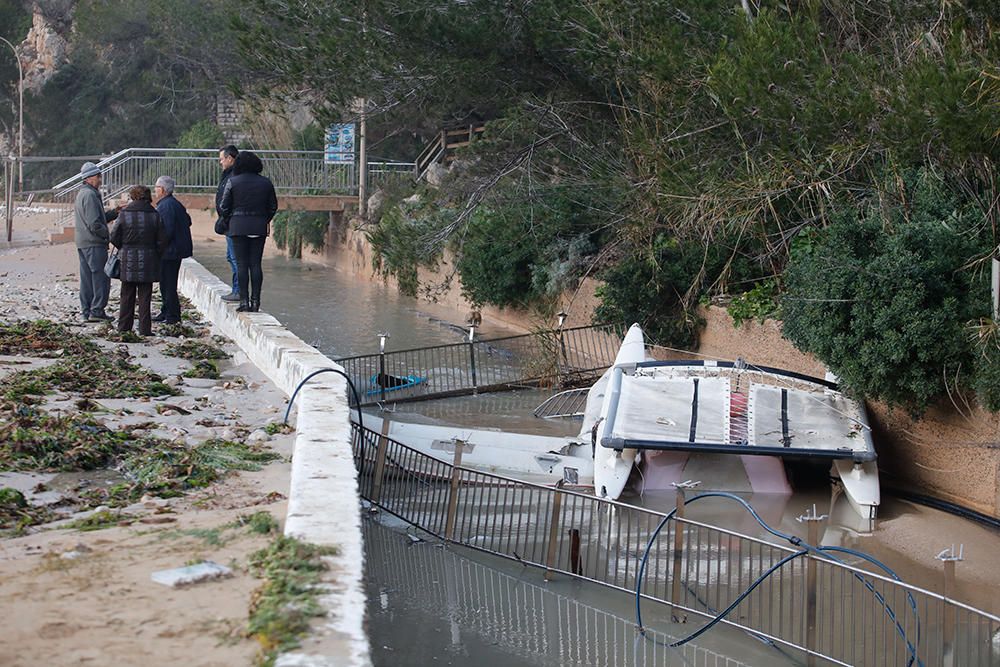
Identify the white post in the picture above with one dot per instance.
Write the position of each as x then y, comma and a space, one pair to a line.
995, 288
362, 162
20, 116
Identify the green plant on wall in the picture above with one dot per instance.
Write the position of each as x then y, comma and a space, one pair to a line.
292, 229
758, 303
885, 293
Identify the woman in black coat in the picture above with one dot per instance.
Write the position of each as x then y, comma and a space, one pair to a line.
248, 204
140, 238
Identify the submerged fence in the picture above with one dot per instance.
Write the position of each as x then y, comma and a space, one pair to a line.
558, 356
840, 612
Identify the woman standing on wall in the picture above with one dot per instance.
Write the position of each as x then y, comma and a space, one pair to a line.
248, 204
141, 239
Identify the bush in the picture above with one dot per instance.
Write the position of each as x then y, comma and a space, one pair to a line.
884, 294
203, 134
659, 287
293, 228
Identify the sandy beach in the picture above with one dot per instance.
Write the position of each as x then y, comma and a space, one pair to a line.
72, 597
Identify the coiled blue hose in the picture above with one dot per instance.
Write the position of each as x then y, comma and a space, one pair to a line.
805, 549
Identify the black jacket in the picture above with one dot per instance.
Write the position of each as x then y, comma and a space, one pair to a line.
177, 224
226, 174
249, 201
140, 237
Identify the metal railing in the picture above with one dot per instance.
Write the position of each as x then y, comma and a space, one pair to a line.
841, 612
301, 173
558, 356
525, 619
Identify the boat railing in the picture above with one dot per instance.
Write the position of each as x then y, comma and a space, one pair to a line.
556, 357
841, 611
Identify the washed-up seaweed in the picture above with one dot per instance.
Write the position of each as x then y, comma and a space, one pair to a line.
100, 374
193, 349
43, 338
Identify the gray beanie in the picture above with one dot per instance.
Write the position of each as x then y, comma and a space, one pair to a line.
89, 169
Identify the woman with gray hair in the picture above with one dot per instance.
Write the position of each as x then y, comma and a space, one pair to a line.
177, 224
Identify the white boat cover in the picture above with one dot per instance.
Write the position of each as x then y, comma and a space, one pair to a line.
815, 420
660, 408
684, 407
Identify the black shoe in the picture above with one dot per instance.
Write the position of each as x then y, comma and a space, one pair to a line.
233, 296
160, 318
254, 305
99, 317
244, 307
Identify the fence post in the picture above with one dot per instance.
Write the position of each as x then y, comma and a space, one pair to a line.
456, 478
949, 557
575, 562
380, 453
472, 357
812, 520
561, 352
550, 554
382, 336
675, 588
8, 195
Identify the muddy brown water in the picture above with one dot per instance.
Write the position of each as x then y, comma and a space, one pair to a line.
413, 621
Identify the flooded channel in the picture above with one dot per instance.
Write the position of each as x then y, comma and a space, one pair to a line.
435, 605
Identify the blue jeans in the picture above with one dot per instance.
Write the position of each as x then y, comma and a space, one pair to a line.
231, 258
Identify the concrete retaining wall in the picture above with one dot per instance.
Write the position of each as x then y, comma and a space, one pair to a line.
323, 505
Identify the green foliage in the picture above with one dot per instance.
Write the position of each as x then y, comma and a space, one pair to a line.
403, 240
284, 605
195, 349
261, 523
203, 134
659, 286
293, 228
885, 294
986, 381
757, 304
96, 521
310, 138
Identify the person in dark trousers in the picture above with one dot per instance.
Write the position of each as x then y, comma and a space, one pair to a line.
177, 224
227, 159
248, 204
92, 244
141, 239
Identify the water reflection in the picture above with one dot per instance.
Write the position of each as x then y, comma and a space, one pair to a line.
431, 605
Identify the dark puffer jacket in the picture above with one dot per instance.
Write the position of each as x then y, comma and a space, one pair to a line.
249, 202
141, 239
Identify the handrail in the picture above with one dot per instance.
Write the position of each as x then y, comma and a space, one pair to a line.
703, 568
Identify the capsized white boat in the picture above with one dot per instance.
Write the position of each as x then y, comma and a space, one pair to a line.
669, 410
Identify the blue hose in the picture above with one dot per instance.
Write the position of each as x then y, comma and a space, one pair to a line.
805, 549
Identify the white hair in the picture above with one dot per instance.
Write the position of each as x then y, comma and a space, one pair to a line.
167, 183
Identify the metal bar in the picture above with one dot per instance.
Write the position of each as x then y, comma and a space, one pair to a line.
550, 558
456, 476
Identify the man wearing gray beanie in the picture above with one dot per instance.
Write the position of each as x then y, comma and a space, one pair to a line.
92, 244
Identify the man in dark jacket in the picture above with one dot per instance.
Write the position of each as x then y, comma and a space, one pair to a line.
227, 160
92, 244
177, 225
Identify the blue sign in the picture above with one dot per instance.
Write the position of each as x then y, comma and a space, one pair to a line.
340, 143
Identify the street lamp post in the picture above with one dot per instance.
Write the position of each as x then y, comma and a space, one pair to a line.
20, 116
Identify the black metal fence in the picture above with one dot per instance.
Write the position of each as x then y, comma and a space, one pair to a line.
557, 357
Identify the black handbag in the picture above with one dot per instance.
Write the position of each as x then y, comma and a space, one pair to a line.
222, 226
113, 267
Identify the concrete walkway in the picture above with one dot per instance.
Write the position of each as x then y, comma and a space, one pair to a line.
323, 502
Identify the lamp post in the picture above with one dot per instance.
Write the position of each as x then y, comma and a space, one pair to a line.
20, 117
